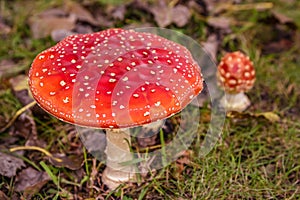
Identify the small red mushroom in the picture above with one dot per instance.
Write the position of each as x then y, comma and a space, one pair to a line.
236, 75
115, 79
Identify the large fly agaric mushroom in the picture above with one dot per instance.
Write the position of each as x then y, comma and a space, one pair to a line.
114, 80
237, 75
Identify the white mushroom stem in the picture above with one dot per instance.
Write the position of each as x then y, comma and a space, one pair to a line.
235, 102
118, 152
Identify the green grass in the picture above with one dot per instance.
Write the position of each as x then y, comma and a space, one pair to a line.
9, 104
254, 158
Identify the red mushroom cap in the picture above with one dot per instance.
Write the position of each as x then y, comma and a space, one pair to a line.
114, 78
236, 72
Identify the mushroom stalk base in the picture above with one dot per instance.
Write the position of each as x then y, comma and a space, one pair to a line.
118, 152
235, 102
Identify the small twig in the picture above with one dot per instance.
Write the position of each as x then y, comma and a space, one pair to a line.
250, 6
17, 114
47, 153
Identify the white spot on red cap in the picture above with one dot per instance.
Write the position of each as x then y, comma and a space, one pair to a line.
247, 74
157, 103
66, 100
62, 83
125, 78
147, 113
112, 80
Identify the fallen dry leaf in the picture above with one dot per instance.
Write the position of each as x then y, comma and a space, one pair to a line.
20, 88
283, 19
165, 14
139, 5
33, 139
3, 122
102, 19
4, 29
118, 13
81, 28
162, 13
21, 91
270, 116
19, 82
72, 162
8, 141
197, 6
219, 22
10, 164
216, 6
82, 14
56, 12
211, 46
94, 141
9, 68
24, 126
3, 196
30, 181
281, 45
43, 26
147, 138
181, 15
183, 159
